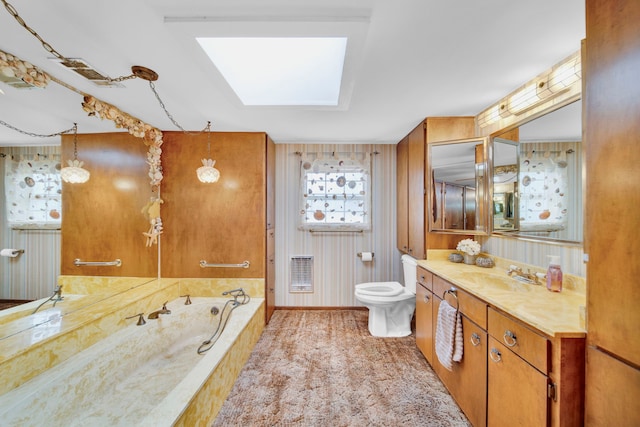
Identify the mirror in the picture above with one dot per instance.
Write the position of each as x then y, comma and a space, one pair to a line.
458, 186
34, 273
537, 178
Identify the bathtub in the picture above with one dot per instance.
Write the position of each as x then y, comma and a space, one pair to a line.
142, 375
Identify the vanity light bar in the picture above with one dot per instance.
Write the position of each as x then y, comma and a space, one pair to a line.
559, 79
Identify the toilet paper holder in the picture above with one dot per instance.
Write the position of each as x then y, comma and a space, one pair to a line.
12, 252
360, 254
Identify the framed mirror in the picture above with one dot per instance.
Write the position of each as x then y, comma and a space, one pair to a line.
457, 196
536, 171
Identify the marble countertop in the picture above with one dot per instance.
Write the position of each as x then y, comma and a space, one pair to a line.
556, 314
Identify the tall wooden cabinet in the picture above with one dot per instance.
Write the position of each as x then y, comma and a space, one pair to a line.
612, 139
412, 228
411, 196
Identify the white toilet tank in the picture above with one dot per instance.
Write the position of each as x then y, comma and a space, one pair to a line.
410, 267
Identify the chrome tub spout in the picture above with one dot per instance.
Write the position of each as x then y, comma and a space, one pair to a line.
157, 313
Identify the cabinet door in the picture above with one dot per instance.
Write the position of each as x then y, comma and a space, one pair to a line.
270, 283
469, 208
467, 381
416, 192
453, 207
402, 193
424, 322
516, 391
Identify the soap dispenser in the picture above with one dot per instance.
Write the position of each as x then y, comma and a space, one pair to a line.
554, 274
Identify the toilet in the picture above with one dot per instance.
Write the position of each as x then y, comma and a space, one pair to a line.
390, 304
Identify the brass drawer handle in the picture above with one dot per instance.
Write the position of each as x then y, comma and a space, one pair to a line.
426, 297
509, 338
475, 339
495, 355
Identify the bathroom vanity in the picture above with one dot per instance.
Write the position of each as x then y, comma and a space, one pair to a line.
523, 361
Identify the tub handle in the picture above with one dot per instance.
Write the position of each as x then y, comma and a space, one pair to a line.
188, 301
141, 320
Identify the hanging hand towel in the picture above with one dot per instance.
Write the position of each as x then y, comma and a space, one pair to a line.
449, 339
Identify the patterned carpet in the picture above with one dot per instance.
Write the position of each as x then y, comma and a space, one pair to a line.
323, 368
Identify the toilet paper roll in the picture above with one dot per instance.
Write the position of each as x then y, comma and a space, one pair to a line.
10, 252
367, 257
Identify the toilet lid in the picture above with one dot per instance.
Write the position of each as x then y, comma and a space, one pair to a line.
380, 289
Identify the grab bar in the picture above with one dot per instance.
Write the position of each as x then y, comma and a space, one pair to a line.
115, 263
204, 264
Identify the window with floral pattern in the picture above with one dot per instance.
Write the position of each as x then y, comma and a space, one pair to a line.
335, 194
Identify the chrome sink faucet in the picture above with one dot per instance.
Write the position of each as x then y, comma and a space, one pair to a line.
163, 310
528, 277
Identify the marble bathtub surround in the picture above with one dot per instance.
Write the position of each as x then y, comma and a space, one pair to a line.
29, 351
556, 314
167, 347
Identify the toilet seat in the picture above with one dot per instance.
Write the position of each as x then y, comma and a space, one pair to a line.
384, 300
380, 289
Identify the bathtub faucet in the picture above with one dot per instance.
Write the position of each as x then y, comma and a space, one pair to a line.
236, 294
163, 310
57, 296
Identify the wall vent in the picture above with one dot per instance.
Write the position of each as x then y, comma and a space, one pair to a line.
301, 274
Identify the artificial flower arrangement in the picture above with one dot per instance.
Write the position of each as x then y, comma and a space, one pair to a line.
468, 246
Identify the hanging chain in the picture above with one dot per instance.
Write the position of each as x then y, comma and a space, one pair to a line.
153, 88
73, 129
207, 128
12, 10
75, 141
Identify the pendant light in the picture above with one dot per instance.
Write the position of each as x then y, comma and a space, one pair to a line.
74, 173
207, 173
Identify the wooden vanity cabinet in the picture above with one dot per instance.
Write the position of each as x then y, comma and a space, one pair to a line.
424, 314
467, 381
518, 386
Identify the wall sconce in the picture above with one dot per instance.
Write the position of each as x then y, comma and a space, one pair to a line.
561, 78
74, 173
207, 173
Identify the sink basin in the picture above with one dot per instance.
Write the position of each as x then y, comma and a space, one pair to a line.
497, 282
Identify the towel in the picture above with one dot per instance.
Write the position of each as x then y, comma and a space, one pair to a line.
449, 340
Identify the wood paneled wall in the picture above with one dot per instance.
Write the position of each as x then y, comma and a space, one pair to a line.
102, 218
222, 222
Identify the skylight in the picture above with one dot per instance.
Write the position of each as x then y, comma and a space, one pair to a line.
280, 70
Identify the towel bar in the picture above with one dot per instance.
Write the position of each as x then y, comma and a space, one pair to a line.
205, 264
114, 263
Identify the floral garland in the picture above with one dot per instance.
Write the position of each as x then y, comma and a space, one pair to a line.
12, 66
153, 139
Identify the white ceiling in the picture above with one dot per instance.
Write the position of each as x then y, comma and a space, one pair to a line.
406, 60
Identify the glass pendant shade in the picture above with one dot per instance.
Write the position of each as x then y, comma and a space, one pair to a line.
207, 173
74, 173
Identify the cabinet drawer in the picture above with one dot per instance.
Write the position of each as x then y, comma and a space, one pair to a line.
531, 346
425, 278
472, 307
